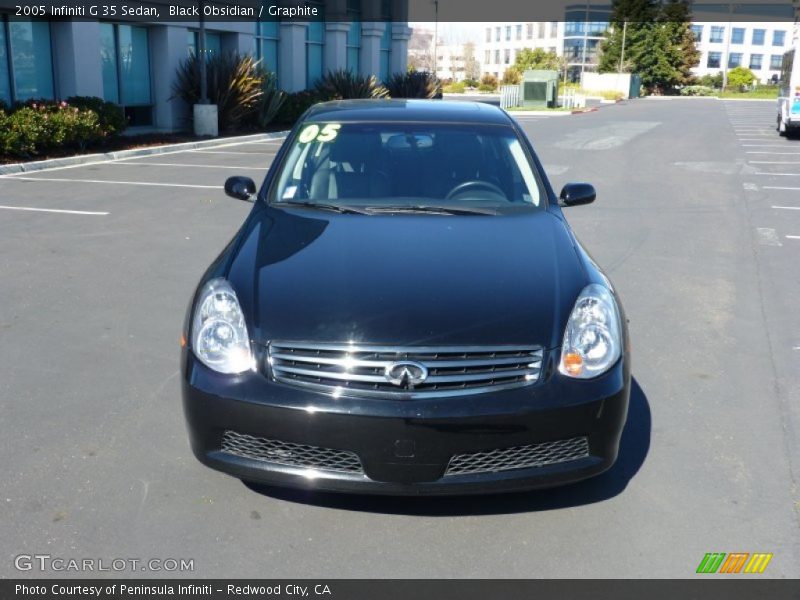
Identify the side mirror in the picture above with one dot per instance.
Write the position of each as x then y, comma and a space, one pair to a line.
241, 188
575, 194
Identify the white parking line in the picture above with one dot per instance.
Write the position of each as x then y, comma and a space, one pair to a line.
774, 162
149, 183
787, 207
766, 145
779, 174
765, 152
55, 210
129, 164
793, 237
770, 187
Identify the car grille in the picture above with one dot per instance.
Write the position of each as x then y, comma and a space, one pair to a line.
361, 369
290, 454
519, 457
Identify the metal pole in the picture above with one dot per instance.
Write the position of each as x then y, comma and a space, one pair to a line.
436, 38
201, 49
585, 41
622, 54
727, 48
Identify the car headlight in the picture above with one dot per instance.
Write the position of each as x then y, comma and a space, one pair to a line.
219, 333
592, 341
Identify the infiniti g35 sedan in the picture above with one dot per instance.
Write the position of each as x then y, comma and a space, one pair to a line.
405, 310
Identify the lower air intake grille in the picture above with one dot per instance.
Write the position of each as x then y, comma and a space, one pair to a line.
519, 457
290, 454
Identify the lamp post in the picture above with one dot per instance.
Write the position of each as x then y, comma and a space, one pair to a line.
201, 51
731, 8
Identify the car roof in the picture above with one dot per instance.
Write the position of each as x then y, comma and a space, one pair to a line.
442, 111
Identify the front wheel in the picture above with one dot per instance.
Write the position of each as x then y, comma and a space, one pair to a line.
781, 126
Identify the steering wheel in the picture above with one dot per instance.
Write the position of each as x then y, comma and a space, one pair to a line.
479, 185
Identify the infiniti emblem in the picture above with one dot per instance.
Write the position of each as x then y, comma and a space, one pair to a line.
406, 374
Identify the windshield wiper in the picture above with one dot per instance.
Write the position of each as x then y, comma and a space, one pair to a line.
331, 207
440, 210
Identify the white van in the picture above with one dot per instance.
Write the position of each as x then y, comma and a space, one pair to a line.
789, 94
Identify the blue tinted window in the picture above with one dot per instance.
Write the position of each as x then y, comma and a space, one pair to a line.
315, 37
698, 32
267, 34
775, 62
714, 60
717, 33
5, 81
31, 58
758, 37
353, 46
734, 60
134, 65
756, 61
108, 63
737, 35
778, 38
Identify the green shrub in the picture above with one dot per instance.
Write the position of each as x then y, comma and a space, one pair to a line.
346, 85
489, 81
36, 128
471, 83
295, 105
234, 85
740, 77
485, 87
697, 90
713, 81
110, 116
511, 77
456, 87
415, 84
272, 99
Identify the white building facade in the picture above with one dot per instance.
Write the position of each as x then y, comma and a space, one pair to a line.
134, 64
756, 46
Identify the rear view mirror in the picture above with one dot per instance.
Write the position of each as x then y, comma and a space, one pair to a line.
241, 188
403, 142
575, 194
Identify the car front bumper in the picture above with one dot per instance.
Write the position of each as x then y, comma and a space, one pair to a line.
405, 447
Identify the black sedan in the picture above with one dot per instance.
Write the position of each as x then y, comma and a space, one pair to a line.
406, 311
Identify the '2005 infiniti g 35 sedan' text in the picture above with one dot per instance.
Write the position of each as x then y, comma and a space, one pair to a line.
405, 310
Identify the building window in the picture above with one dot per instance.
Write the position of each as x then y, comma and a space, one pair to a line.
315, 41
775, 62
353, 42
530, 31
540, 32
714, 60
553, 29
267, 37
519, 31
737, 35
758, 37
778, 38
386, 39
213, 43
488, 34
26, 64
125, 66
697, 30
497, 57
734, 60
507, 57
487, 57
717, 34
497, 34
755, 61
508, 33
573, 50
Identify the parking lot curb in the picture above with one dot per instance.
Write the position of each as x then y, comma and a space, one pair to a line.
87, 159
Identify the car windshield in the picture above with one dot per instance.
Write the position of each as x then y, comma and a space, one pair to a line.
407, 166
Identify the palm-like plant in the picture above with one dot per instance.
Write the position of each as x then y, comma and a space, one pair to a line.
346, 85
414, 84
234, 85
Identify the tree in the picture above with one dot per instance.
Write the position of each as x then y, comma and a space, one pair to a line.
740, 77
659, 43
472, 69
537, 58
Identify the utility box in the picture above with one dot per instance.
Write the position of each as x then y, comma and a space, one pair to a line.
539, 89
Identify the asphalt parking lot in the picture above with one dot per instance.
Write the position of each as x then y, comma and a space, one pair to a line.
697, 222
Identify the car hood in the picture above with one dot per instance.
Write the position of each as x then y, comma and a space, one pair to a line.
406, 279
